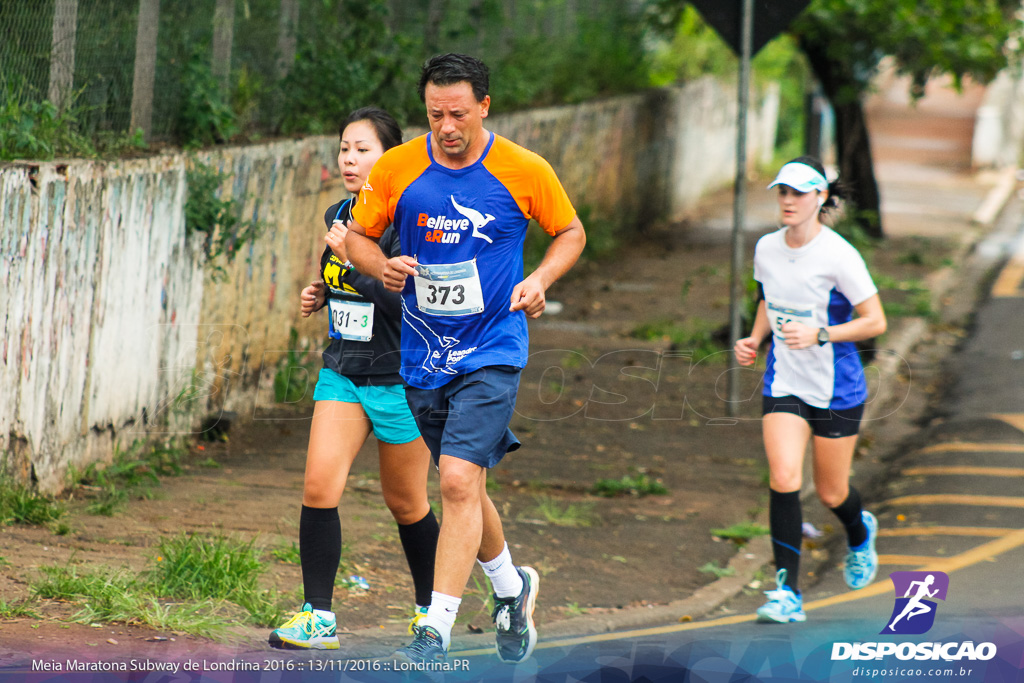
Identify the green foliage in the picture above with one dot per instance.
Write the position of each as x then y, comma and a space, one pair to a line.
34, 129
926, 38
352, 64
606, 57
20, 505
638, 485
217, 219
205, 117
131, 473
294, 376
741, 533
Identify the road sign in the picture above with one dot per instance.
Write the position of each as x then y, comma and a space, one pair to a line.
772, 17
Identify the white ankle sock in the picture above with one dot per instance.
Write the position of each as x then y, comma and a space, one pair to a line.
503, 575
324, 614
441, 615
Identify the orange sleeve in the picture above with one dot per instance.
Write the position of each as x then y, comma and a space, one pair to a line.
374, 208
532, 183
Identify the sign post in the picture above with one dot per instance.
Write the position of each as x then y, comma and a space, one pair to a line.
734, 22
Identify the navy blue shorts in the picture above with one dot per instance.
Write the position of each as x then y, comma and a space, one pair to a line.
468, 417
825, 422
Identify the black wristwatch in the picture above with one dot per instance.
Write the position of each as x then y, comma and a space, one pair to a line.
822, 336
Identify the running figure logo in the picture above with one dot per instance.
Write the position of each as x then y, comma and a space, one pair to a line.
436, 344
913, 613
478, 220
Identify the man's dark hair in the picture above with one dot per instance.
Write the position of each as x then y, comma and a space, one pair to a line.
453, 68
388, 131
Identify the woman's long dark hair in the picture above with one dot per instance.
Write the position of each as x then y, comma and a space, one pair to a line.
388, 131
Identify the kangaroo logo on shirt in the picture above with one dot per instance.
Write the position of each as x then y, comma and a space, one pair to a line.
478, 220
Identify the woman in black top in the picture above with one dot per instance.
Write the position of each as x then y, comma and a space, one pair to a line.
358, 390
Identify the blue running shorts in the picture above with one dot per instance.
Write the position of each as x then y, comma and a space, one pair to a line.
468, 417
384, 405
824, 422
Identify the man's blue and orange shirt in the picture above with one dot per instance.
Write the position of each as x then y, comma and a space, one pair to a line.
463, 227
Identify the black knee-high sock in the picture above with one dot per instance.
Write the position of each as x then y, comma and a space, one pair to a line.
849, 515
419, 541
786, 520
320, 554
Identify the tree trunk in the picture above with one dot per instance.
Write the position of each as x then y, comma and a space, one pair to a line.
853, 145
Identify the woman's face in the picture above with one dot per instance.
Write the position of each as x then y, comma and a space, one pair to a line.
360, 149
798, 207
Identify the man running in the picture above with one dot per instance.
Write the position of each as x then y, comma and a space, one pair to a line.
461, 198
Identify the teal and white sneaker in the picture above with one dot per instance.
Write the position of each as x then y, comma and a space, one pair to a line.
862, 561
306, 630
783, 606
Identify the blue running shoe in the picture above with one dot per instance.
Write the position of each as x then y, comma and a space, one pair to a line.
783, 604
426, 650
514, 631
862, 561
306, 631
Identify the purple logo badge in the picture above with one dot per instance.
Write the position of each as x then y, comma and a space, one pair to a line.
914, 611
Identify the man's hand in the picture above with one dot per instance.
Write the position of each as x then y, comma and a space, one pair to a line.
396, 270
312, 298
335, 239
799, 336
528, 296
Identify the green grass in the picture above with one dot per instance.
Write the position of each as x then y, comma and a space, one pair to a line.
694, 334
742, 532
638, 484
570, 514
713, 568
16, 610
21, 505
289, 554
192, 567
294, 379
195, 585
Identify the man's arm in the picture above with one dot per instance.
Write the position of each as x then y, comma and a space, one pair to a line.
529, 295
367, 257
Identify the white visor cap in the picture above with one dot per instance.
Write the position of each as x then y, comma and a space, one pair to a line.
800, 177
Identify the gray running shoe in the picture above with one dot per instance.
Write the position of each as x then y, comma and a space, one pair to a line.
426, 648
515, 633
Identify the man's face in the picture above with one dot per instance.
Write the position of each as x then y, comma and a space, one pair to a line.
456, 118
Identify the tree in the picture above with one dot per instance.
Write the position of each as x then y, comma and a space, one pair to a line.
845, 40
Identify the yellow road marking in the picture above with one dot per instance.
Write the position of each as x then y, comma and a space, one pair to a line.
979, 471
1009, 282
958, 499
965, 447
981, 553
946, 531
1012, 419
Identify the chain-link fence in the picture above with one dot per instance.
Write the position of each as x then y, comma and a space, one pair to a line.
205, 71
